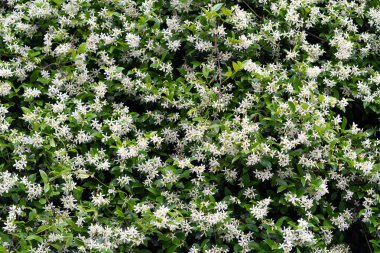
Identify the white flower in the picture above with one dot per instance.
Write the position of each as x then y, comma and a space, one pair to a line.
69, 202
313, 72
6, 72
344, 47
250, 66
32, 93
260, 209
132, 40
10, 226
33, 190
366, 166
264, 174
174, 45
99, 200
8, 180
240, 18
203, 46
374, 19
342, 220
62, 49
5, 88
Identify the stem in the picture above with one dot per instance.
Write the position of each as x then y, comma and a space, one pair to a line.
218, 61
101, 182
226, 79
315, 36
252, 9
366, 239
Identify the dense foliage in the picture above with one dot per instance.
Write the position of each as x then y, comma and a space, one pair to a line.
189, 126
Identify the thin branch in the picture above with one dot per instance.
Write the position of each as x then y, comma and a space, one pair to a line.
252, 9
366, 239
315, 36
217, 59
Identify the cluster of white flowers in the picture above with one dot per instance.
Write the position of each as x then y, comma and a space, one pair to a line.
260, 209
342, 221
8, 180
108, 238
301, 236
189, 126
10, 223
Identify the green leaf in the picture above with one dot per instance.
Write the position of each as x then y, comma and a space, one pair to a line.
344, 123
43, 228
44, 177
292, 106
34, 237
34, 75
271, 243
303, 181
266, 163
216, 127
119, 213
229, 73
235, 159
226, 12
34, 53
43, 80
237, 66
281, 182
25, 110
237, 248
56, 246
154, 191
280, 221
52, 142
205, 72
204, 243
217, 7
82, 48
172, 249
321, 98
359, 21
282, 188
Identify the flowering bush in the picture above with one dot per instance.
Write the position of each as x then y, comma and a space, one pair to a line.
189, 126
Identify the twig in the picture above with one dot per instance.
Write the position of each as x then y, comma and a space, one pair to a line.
218, 60
366, 239
46, 66
101, 182
315, 36
252, 9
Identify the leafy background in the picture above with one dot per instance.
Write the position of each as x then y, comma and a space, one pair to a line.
189, 126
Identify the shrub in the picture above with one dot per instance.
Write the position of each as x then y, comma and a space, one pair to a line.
189, 126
